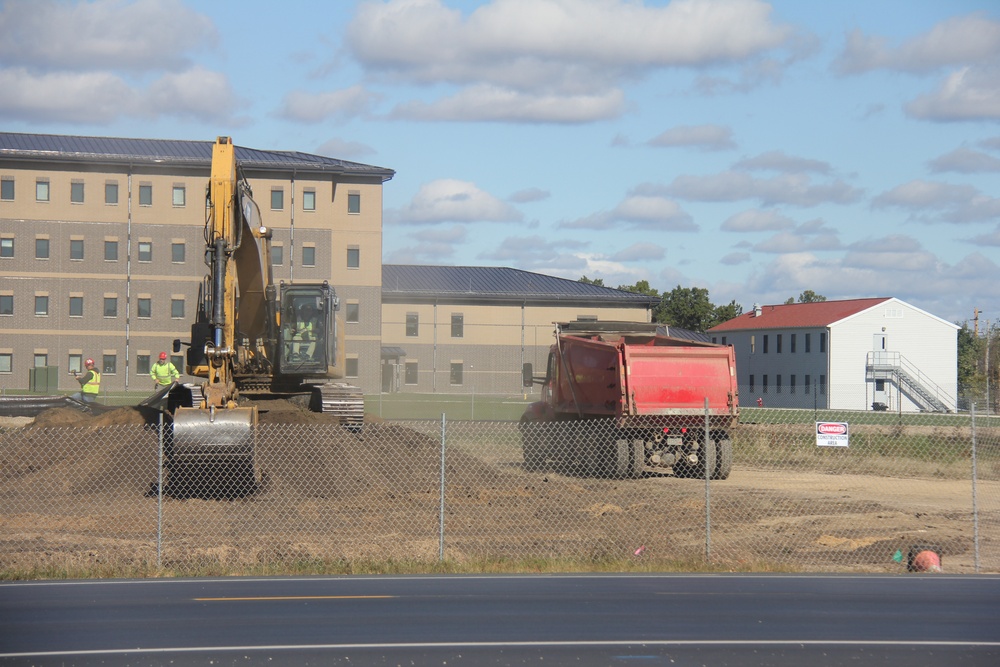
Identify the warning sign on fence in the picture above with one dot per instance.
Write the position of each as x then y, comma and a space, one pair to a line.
831, 434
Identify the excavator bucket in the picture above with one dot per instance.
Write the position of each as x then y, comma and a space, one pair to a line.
212, 452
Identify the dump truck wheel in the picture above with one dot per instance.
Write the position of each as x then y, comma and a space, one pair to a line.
723, 458
706, 463
533, 448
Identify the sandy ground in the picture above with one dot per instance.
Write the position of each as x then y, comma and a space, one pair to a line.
77, 489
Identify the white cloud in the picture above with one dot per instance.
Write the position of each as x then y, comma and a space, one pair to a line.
145, 35
197, 93
968, 94
309, 107
781, 162
756, 220
534, 53
959, 40
452, 200
491, 103
704, 137
639, 252
931, 201
529, 195
728, 186
965, 161
650, 212
95, 97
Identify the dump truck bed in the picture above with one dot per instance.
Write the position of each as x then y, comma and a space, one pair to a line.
677, 380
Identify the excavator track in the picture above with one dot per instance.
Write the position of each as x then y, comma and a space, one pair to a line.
345, 401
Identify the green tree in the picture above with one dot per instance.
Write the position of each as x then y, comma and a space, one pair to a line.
686, 307
806, 297
596, 281
725, 313
640, 287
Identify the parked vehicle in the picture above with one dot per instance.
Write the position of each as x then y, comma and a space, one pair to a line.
620, 399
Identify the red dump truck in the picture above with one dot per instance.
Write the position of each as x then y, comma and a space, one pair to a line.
621, 400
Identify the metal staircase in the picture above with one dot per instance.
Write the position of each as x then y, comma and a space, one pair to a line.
916, 386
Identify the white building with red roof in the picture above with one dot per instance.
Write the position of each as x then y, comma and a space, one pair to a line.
856, 354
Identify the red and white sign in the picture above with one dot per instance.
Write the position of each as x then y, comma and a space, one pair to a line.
831, 434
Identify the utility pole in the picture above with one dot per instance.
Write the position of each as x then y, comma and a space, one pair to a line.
975, 321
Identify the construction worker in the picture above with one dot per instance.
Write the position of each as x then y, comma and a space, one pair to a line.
90, 383
163, 372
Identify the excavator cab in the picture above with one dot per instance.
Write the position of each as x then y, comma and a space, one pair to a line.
306, 346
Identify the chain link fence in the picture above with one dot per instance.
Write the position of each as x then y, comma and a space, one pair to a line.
791, 495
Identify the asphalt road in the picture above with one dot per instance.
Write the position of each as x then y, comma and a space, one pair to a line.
644, 620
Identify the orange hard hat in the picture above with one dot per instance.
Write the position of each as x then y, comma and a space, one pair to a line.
88, 362
163, 356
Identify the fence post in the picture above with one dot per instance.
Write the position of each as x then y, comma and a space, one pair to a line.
441, 508
975, 502
159, 499
708, 495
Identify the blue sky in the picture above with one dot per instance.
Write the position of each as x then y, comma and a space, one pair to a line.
756, 149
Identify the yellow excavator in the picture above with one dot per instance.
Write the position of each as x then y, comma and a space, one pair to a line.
251, 337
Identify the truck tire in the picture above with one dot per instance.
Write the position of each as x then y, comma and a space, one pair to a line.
533, 448
723, 458
637, 459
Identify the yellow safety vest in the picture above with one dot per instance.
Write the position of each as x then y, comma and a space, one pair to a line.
163, 373
93, 385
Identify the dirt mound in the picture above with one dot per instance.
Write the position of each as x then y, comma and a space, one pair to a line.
72, 418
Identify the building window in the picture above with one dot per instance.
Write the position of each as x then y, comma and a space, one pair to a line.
41, 190
354, 202
765, 343
76, 249
412, 324
353, 258
309, 256
791, 385
6, 247
145, 251
277, 199
791, 343
109, 364
455, 377
177, 251
777, 384
144, 307
777, 344
352, 312
822, 342
808, 343
457, 325
177, 308
41, 305
76, 306
40, 360
41, 248
808, 384
179, 195
75, 363
111, 251
277, 255
145, 195
309, 200
6, 362
764, 383
110, 306
751, 384
410, 376
822, 385
177, 360
142, 364
753, 343
76, 192
351, 367
111, 193
6, 304
7, 189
